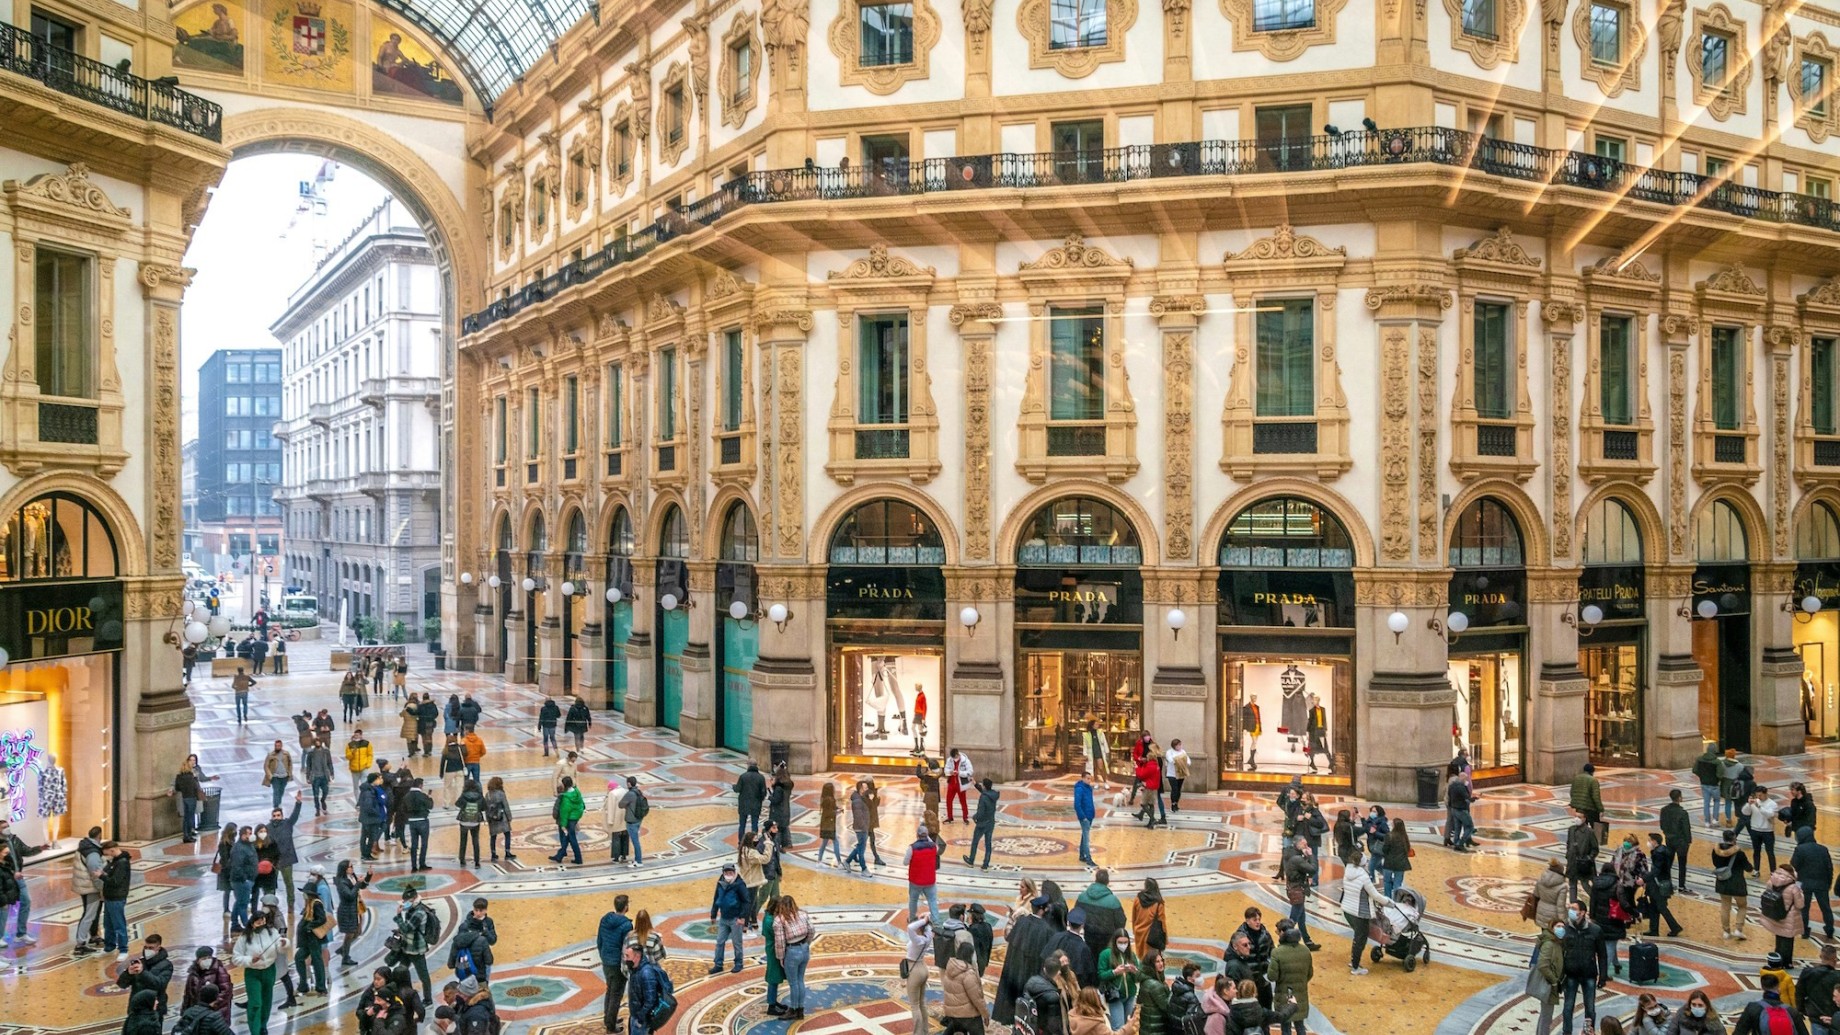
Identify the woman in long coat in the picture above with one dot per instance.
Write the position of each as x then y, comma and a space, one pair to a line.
347, 885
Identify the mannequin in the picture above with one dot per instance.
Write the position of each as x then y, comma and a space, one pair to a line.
883, 695
1807, 702
1291, 683
1249, 728
53, 797
1316, 727
919, 721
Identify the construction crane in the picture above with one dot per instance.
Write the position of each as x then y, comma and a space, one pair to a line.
312, 209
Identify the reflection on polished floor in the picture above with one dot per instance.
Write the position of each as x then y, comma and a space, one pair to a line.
1213, 861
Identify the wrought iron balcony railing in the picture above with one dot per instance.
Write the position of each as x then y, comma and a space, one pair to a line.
70, 73
1349, 150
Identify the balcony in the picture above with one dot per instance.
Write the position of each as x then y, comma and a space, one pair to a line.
320, 413
381, 483
281, 430
22, 53
324, 489
375, 391
1425, 145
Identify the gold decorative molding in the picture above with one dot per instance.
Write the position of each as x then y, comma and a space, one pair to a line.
1616, 267
1283, 44
1732, 280
879, 265
1818, 125
1032, 19
74, 188
580, 175
977, 16
1626, 75
1561, 314
1076, 254
1559, 444
1779, 450
976, 312
1501, 249
786, 24
1178, 444
153, 277
675, 81
1429, 514
1511, 16
790, 483
885, 284
1285, 243
977, 443
1677, 450
639, 79
881, 80
167, 525
766, 320
1721, 100
740, 94
1182, 307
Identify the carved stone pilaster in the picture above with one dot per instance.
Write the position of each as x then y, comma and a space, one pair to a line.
1179, 443
978, 337
1779, 449
1559, 350
1677, 449
164, 532
1395, 444
1430, 539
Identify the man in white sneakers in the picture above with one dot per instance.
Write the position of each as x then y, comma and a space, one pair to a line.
958, 781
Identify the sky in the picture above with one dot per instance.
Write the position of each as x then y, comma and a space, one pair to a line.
253, 250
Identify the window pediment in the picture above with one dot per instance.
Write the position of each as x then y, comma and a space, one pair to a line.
1729, 293
69, 201
880, 270
1821, 302
882, 80
1077, 263
727, 297
1281, 44
1284, 259
1722, 99
1500, 255
1624, 74
1033, 19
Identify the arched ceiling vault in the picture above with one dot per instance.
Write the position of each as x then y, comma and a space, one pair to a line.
494, 41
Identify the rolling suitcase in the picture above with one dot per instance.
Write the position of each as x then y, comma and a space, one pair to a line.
618, 845
1644, 962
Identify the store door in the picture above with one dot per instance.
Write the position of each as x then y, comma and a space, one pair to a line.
740, 649
673, 637
1063, 689
1722, 648
619, 632
1491, 704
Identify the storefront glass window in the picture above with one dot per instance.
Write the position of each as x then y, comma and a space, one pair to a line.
56, 536
1817, 636
1488, 663
1612, 649
887, 532
1722, 642
1489, 696
1079, 531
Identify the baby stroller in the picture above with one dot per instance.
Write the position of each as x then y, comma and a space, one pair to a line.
1395, 931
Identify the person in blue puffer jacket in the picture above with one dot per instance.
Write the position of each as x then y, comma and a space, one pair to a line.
1084, 812
608, 942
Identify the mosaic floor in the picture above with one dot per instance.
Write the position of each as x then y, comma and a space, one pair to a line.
1213, 861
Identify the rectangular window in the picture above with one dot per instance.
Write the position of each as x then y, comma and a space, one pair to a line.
734, 367
887, 34
1819, 188
1821, 372
1494, 362
1076, 23
622, 147
1607, 33
1714, 59
65, 295
57, 32
1283, 15
886, 154
533, 423
741, 59
667, 394
578, 178
1815, 74
1076, 363
1283, 137
499, 430
616, 404
1079, 148
1727, 378
1616, 390
233, 373
1717, 168
674, 114
1285, 369
882, 365
1614, 148
1479, 18
571, 415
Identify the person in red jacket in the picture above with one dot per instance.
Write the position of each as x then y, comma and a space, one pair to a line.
922, 872
1150, 774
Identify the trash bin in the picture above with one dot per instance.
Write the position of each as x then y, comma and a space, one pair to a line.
208, 809
1428, 787
440, 661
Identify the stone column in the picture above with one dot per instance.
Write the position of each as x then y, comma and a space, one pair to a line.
1776, 687
1553, 737
697, 725
979, 712
790, 704
485, 627
591, 668
1671, 713
641, 670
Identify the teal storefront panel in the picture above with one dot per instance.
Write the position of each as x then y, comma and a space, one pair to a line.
740, 649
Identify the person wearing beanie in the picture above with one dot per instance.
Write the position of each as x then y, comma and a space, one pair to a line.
143, 1016
207, 983
202, 1018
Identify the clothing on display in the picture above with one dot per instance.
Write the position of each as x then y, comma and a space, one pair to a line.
887, 704
1306, 694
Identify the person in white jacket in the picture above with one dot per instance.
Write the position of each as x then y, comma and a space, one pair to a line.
257, 950
1361, 901
1760, 812
613, 819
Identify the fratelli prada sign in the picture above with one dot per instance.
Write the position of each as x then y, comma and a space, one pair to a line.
60, 619
1620, 591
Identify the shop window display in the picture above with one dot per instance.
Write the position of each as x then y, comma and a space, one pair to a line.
1288, 715
1613, 711
1488, 712
1065, 691
1817, 636
890, 699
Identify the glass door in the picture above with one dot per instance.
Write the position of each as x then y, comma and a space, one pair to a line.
1063, 690
1490, 709
1613, 698
740, 649
673, 637
619, 633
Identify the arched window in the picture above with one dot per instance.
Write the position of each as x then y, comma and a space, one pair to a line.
1817, 535
1079, 531
620, 534
674, 539
578, 534
740, 542
1718, 534
1286, 532
1611, 535
1486, 536
57, 536
887, 532
539, 534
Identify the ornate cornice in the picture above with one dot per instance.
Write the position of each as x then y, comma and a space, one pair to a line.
1616, 267
968, 312
1500, 249
1286, 243
73, 187
1732, 280
1075, 254
879, 265
1411, 294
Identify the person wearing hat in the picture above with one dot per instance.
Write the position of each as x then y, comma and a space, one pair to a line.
1026, 946
417, 928
729, 909
207, 984
310, 939
203, 1017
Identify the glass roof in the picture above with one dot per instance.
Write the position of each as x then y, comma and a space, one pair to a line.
494, 41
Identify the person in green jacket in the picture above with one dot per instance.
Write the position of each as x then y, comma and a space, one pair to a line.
1588, 799
1549, 964
776, 973
1153, 998
569, 810
1289, 973
1730, 771
1118, 969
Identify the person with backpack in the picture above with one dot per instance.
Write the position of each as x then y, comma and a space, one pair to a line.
470, 952
649, 993
1728, 868
1760, 811
472, 752
635, 808
417, 930
1289, 973
498, 819
1769, 1015
201, 1015
451, 769
729, 909
1814, 990
609, 945
568, 812
1732, 789
578, 721
470, 811
1779, 908
477, 1013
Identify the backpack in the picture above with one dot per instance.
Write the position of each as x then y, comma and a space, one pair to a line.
463, 964
1194, 1022
1777, 1020
666, 1004
480, 1022
642, 807
1733, 790
469, 810
1771, 904
495, 811
412, 931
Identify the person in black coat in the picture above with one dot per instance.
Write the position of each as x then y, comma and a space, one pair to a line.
577, 723
1814, 869
1798, 811
143, 1018
780, 810
1660, 887
202, 1018
1022, 960
1069, 938
1754, 1022
1611, 930
469, 713
152, 970
750, 793
982, 937
1580, 951
547, 718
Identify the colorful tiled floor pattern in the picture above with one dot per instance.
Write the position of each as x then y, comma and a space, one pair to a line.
1212, 862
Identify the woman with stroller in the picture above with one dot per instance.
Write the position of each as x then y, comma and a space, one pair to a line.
1361, 902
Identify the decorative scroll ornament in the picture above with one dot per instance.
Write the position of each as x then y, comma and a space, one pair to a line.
880, 264
1286, 243
153, 275
967, 312
722, 285
1561, 311
1076, 254
1732, 280
1619, 268
1416, 294
1501, 248
1827, 293
72, 188
663, 310
768, 319
1174, 305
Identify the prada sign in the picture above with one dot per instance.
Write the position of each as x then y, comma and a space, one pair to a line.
1490, 598
39, 620
888, 593
1619, 590
1065, 597
1286, 599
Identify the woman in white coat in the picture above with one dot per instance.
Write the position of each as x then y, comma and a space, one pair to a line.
1361, 901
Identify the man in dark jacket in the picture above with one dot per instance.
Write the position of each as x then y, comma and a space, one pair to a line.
1814, 989
203, 1018
547, 717
750, 794
645, 985
469, 712
1085, 964
1459, 828
983, 822
476, 935
1581, 938
609, 943
15, 863
1580, 854
427, 717
1677, 834
1022, 960
1259, 945
143, 1018
1241, 964
373, 811
729, 909
207, 983
416, 805
1760, 1017
1814, 869
1185, 992
1051, 1007
152, 970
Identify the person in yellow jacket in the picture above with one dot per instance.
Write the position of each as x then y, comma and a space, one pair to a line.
357, 759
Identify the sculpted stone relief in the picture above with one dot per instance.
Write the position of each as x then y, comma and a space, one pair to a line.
1395, 445
1560, 350
1178, 442
1429, 418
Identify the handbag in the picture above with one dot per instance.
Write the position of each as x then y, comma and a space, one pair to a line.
324, 930
1296, 894
662, 1010
1158, 936
1620, 913
907, 967
1530, 906
1538, 988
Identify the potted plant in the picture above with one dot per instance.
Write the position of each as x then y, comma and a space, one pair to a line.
366, 628
399, 633
431, 633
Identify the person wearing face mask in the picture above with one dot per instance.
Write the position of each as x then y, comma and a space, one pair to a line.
1299, 870
281, 833
1546, 976
1697, 1017
257, 950
268, 864
1651, 1017
1728, 868
1374, 827
1580, 937
1760, 818
1607, 913
243, 870
277, 770
1660, 887
1118, 979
